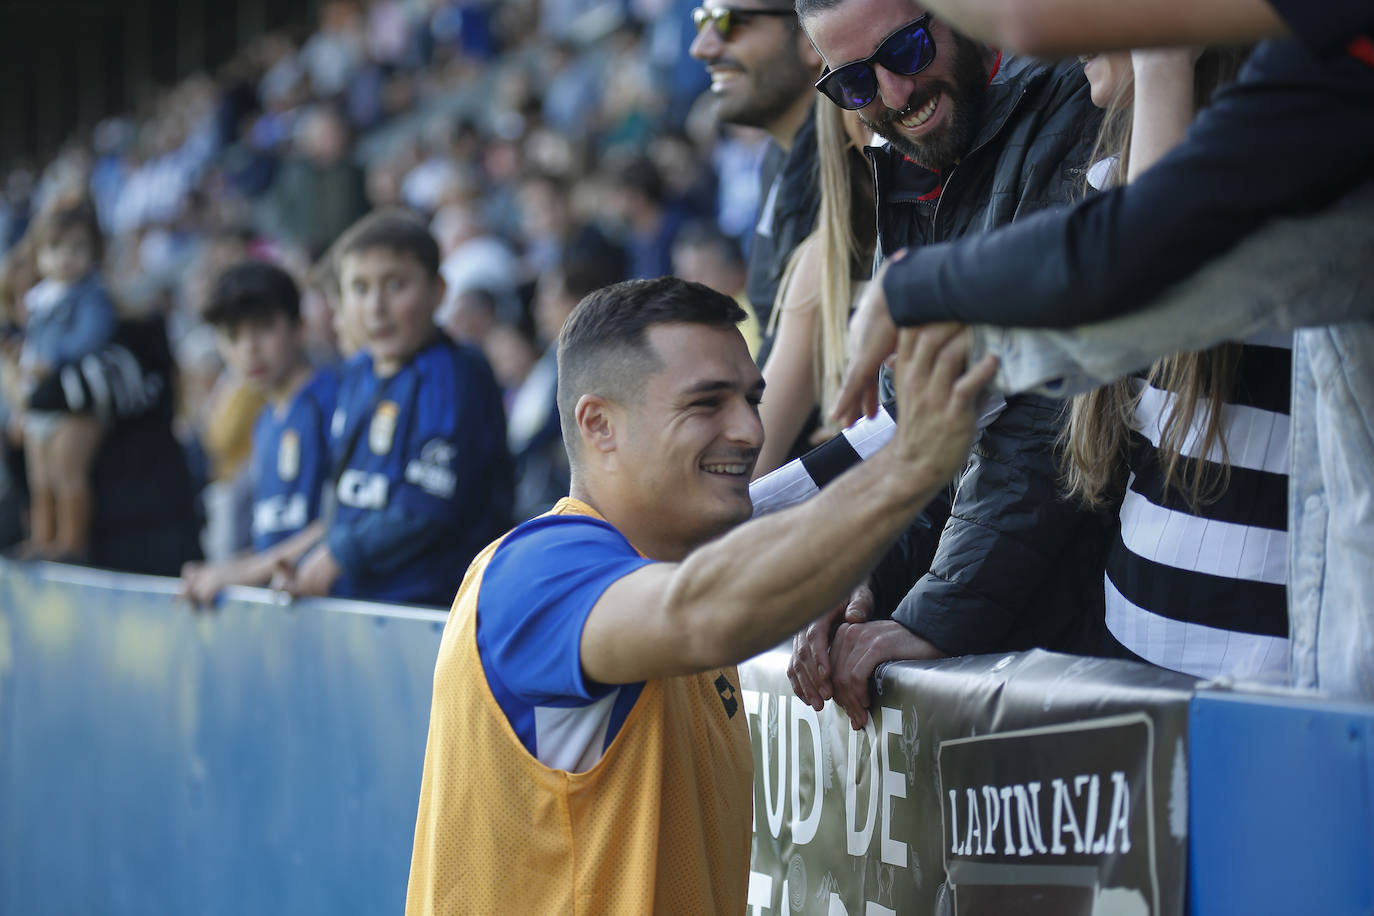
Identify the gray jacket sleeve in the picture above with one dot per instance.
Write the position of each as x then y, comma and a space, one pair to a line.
1294, 273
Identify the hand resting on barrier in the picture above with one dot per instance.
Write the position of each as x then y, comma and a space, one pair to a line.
809, 669
856, 652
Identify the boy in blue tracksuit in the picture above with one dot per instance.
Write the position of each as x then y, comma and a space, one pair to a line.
255, 310
422, 478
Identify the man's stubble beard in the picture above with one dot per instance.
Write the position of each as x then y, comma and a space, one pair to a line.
941, 151
776, 86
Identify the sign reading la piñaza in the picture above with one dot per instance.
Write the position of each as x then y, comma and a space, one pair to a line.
1058, 819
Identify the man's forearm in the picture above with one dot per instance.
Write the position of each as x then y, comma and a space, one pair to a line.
261, 566
1292, 273
736, 596
769, 577
258, 568
1058, 28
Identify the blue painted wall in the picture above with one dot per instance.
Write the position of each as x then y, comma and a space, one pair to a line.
1282, 799
258, 759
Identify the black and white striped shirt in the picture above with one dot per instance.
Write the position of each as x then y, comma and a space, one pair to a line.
802, 478
1203, 590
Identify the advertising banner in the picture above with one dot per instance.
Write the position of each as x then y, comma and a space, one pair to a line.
1031, 783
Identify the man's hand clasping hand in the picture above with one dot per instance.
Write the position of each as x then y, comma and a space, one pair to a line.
836, 655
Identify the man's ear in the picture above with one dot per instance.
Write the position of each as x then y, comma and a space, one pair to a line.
596, 424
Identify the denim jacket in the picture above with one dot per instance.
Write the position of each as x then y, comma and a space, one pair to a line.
1313, 274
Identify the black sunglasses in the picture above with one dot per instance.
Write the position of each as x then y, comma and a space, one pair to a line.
907, 51
725, 18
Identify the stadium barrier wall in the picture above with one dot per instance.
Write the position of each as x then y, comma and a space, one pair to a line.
254, 759
262, 758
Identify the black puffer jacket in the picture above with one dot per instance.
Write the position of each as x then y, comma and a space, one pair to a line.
1015, 564
1035, 134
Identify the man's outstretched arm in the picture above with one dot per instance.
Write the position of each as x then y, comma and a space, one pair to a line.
746, 591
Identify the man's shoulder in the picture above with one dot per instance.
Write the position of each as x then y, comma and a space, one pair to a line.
1030, 90
90, 291
1036, 73
569, 536
1038, 128
803, 151
569, 526
319, 394
797, 197
265, 426
555, 563
456, 395
1026, 419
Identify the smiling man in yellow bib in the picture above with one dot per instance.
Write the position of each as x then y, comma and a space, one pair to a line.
587, 749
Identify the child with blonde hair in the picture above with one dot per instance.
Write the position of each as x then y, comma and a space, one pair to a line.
68, 315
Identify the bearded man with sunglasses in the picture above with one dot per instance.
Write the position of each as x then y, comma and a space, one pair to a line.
762, 68
975, 139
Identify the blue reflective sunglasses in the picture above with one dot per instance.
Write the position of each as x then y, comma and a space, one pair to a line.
907, 51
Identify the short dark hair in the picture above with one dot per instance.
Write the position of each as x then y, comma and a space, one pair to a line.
604, 348
393, 229
77, 214
807, 8
252, 291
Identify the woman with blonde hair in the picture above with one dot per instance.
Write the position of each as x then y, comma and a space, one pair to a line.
1195, 448
811, 315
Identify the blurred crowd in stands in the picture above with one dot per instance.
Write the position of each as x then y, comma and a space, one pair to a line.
549, 148
435, 184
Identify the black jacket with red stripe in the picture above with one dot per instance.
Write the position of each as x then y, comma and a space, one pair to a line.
1004, 562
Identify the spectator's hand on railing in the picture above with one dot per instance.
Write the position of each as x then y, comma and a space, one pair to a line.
315, 575
201, 584
872, 339
937, 395
858, 649
809, 670
283, 572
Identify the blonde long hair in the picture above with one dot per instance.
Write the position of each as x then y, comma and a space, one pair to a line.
846, 230
1096, 440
